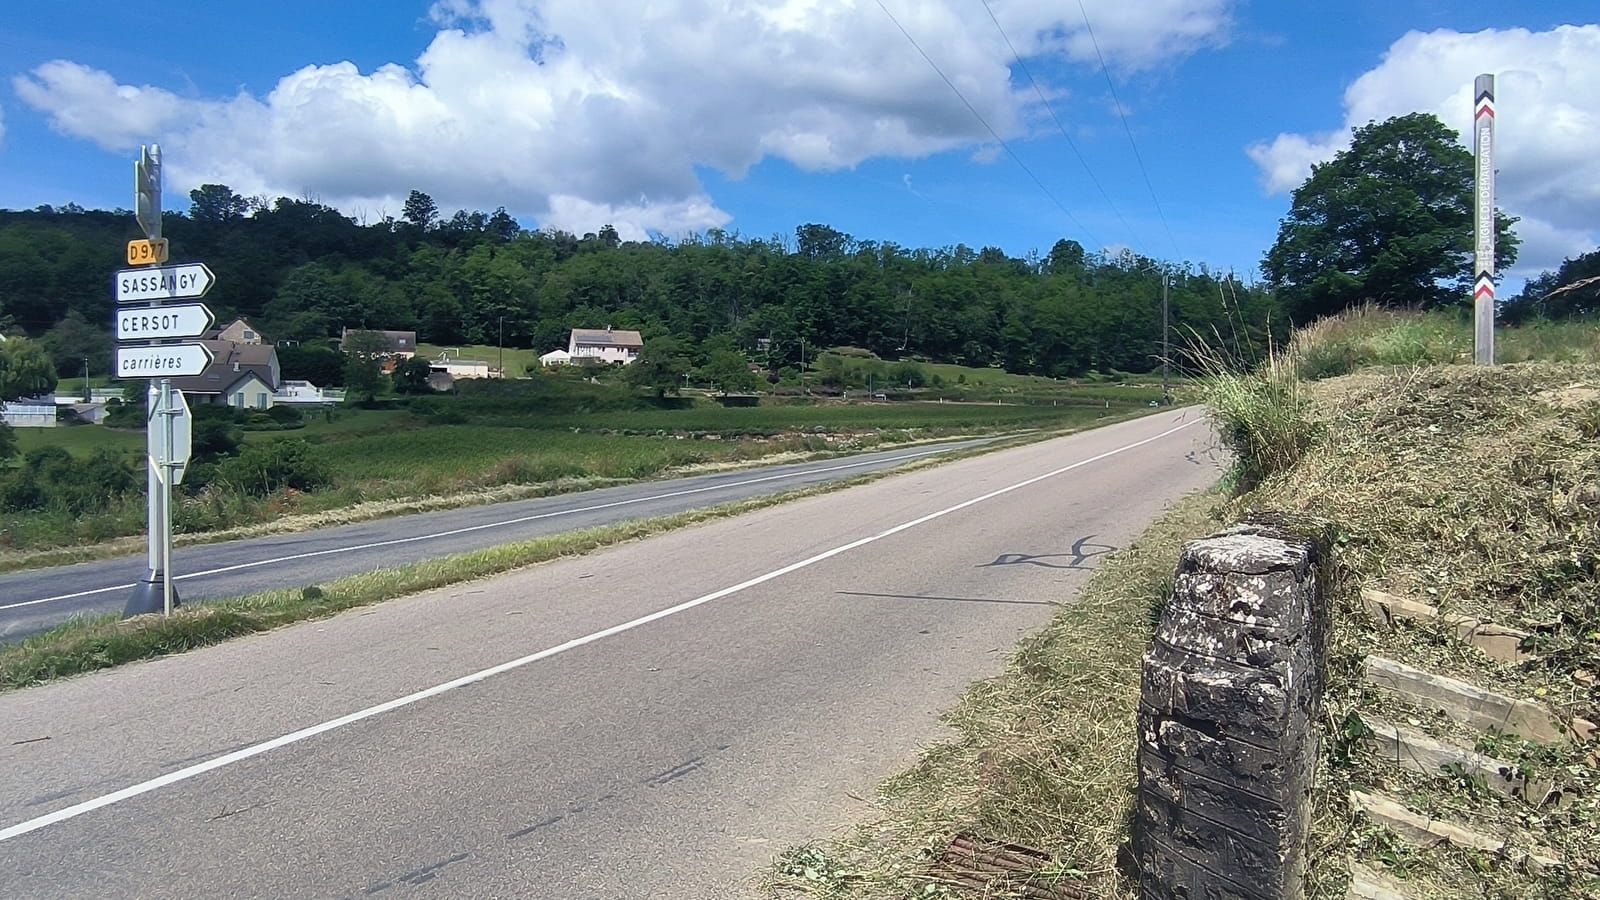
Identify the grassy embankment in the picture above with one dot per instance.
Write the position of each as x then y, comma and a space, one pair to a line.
1477, 490
447, 445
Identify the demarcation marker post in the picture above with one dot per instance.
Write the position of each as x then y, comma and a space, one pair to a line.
151, 322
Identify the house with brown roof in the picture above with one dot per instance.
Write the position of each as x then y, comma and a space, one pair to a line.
607, 345
241, 375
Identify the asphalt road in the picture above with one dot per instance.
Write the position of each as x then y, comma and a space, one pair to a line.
656, 719
37, 600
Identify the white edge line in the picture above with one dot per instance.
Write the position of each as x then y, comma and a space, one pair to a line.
471, 528
227, 759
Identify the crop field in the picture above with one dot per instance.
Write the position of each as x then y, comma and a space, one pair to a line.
483, 455
768, 420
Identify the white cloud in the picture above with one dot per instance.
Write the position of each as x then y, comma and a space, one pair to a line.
571, 111
2, 126
1287, 161
88, 103
1547, 121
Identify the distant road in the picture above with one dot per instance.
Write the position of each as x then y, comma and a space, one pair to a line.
37, 600
655, 719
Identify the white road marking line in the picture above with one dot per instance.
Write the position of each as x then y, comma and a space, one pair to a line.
227, 759
452, 533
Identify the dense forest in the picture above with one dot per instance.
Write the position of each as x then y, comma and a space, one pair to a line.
302, 271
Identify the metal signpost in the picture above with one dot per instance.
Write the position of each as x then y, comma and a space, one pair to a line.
156, 325
1483, 216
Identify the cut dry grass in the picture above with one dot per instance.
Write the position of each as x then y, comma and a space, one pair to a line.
1044, 754
1475, 489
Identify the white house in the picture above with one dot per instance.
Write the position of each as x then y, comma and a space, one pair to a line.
606, 346
303, 393
460, 368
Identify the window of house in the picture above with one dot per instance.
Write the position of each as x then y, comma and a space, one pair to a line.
249, 335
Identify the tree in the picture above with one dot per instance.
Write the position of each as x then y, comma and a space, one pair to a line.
25, 369
74, 340
730, 371
216, 203
660, 366
363, 373
318, 365
1570, 292
420, 210
411, 376
1387, 221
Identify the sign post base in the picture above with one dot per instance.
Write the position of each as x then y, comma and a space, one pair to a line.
148, 598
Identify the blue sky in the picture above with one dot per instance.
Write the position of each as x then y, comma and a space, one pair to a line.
760, 116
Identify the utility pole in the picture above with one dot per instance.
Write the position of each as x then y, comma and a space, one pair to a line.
86, 395
502, 346
1166, 343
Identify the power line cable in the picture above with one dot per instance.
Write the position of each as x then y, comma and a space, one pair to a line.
1062, 128
992, 133
1125, 127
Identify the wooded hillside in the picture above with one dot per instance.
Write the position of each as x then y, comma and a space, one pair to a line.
302, 271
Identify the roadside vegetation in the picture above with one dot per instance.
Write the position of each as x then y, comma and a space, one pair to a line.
74, 491
1473, 489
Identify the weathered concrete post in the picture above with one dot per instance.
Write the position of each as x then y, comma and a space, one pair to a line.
1227, 747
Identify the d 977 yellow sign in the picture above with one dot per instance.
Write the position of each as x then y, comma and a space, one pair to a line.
147, 253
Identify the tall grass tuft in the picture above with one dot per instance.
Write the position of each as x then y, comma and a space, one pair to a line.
1261, 414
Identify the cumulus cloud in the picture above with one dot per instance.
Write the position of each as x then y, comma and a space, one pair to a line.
88, 103
579, 113
1548, 114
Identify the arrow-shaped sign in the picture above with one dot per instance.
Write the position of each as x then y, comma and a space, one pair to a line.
150, 323
169, 361
164, 283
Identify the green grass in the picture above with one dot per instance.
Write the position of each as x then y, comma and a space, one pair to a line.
773, 419
517, 358
1369, 337
80, 440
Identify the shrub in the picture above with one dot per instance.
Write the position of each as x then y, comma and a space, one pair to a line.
214, 437
51, 478
20, 491
261, 469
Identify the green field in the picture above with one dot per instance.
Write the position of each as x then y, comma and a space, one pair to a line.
543, 434
79, 440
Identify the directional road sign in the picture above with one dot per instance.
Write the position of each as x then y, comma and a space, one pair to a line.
169, 361
150, 323
184, 282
